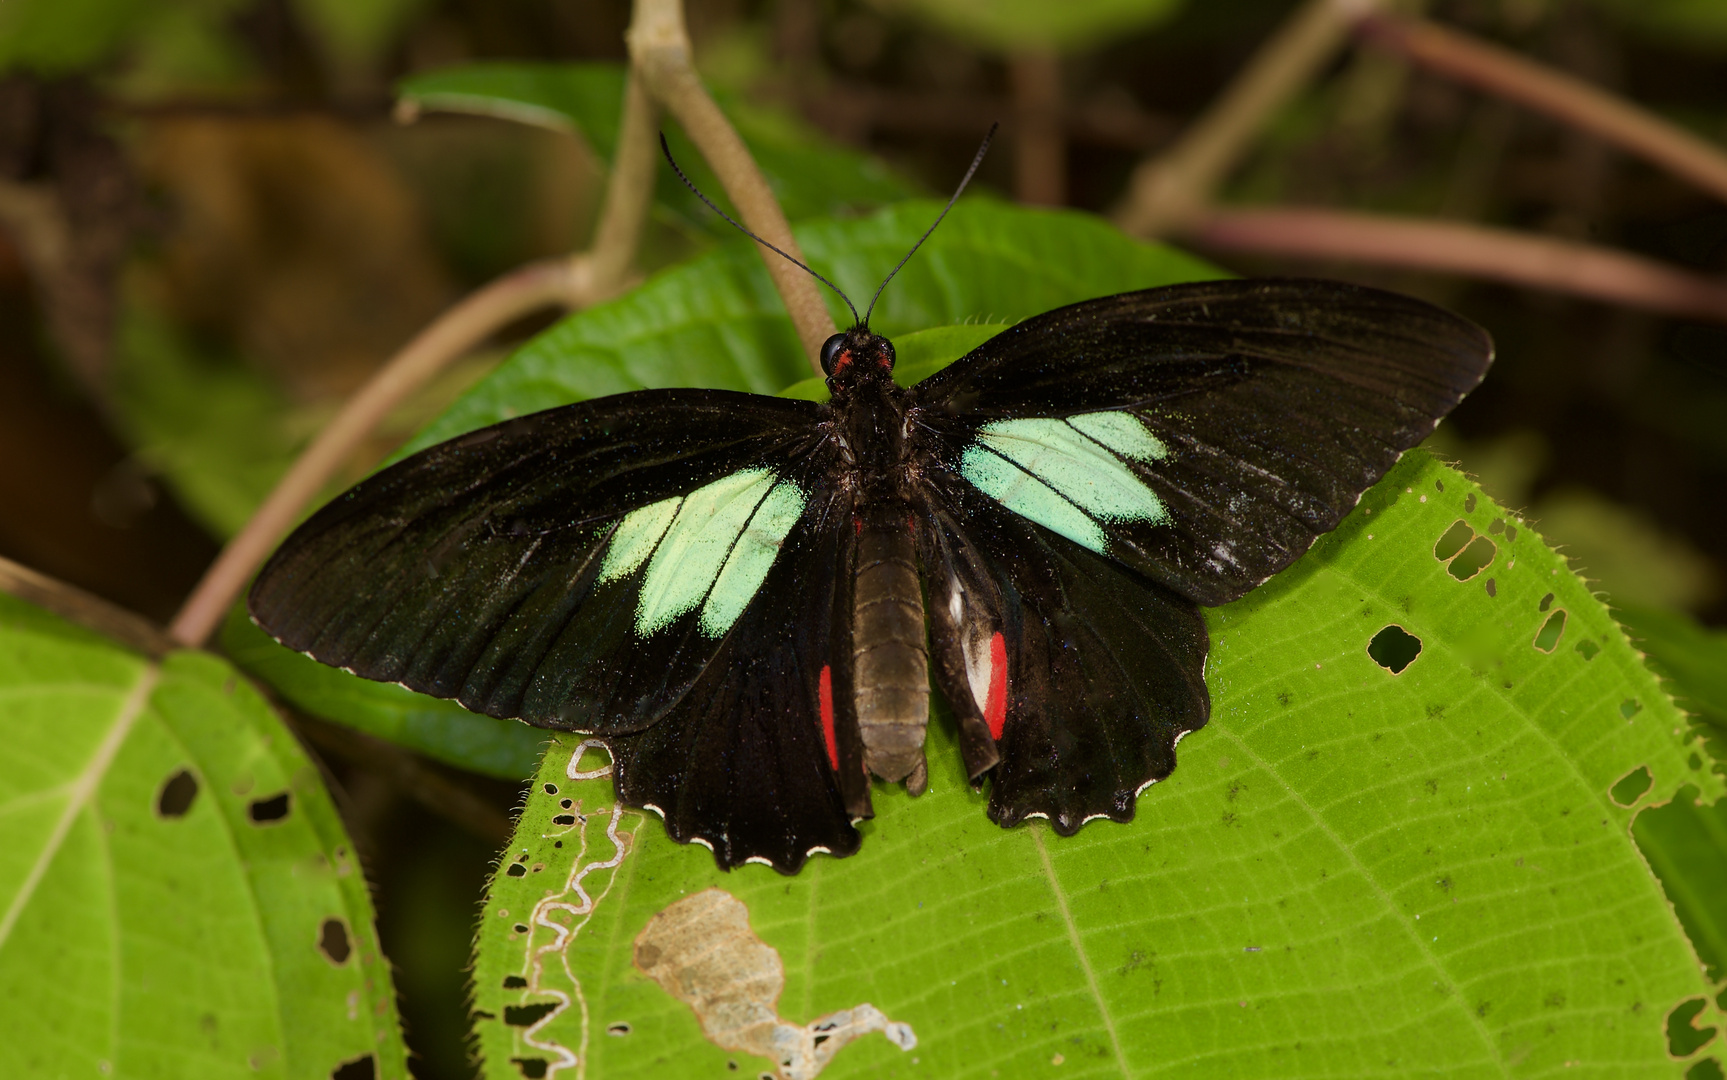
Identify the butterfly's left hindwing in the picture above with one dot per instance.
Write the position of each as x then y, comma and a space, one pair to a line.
750, 761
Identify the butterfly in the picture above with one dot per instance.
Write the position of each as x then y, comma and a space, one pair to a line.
747, 598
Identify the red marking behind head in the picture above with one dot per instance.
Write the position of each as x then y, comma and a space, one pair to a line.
995, 707
826, 696
842, 361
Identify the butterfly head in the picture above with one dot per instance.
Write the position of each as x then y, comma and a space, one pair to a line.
855, 357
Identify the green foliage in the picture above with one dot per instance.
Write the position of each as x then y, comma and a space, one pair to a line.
216, 431
1693, 24
1354, 871
717, 322
353, 33
177, 894
437, 728
811, 175
1022, 24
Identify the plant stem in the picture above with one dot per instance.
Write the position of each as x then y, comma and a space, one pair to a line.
1176, 185
1478, 251
1503, 73
1039, 143
660, 51
471, 321
79, 607
571, 281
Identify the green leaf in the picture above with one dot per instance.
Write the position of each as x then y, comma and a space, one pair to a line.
354, 33
1350, 872
56, 36
1699, 25
1691, 657
582, 98
1685, 842
1038, 24
811, 174
717, 322
433, 726
177, 895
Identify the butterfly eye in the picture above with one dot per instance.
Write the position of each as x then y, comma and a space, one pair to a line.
830, 351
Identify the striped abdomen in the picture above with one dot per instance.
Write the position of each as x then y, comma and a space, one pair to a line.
890, 670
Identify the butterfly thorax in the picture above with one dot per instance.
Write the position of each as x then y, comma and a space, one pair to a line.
890, 667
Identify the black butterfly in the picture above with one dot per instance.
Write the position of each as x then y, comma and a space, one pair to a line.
745, 597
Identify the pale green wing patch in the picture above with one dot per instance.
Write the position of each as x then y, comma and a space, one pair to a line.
1070, 475
711, 549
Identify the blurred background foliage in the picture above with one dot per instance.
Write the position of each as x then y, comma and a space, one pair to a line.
216, 221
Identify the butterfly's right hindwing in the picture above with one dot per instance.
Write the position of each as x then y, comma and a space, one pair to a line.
577, 568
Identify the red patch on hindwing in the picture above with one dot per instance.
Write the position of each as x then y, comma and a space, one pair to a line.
995, 706
825, 694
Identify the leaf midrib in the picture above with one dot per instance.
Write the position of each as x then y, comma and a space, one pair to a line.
82, 787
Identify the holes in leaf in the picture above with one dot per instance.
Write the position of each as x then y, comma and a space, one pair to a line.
1469, 503
1707, 1069
334, 943
1546, 602
1453, 541
564, 819
1684, 1038
1473, 559
521, 928
514, 982
517, 870
360, 1068
1492, 587
528, 1015
1394, 648
177, 795
620, 1028
1630, 707
1588, 649
1547, 638
531, 1068
270, 809
551, 789
1632, 786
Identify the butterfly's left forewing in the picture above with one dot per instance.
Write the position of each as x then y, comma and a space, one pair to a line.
577, 568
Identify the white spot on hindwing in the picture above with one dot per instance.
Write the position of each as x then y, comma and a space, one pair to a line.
712, 548
1068, 475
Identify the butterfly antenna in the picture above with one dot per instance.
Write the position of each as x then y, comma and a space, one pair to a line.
667, 150
964, 180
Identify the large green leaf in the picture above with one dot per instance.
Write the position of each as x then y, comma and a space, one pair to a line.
717, 322
811, 174
1038, 24
1351, 872
177, 895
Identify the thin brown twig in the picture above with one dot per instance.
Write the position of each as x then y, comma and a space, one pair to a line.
1507, 75
1039, 143
660, 51
571, 281
81, 608
470, 322
1478, 251
1177, 184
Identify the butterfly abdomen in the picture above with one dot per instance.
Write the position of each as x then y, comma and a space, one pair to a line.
889, 663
